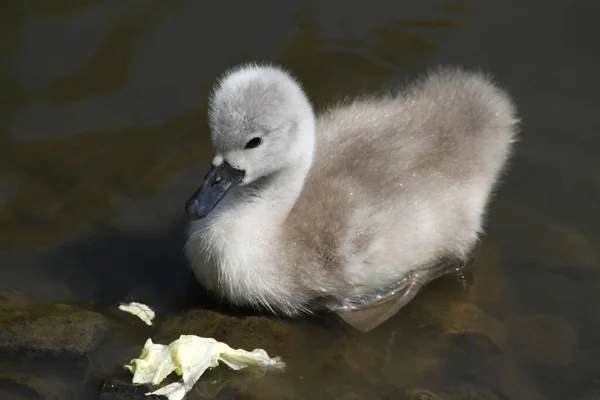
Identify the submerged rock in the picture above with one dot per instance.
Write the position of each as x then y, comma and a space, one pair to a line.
247, 333
475, 344
45, 347
468, 324
35, 328
274, 335
535, 238
543, 340
315, 357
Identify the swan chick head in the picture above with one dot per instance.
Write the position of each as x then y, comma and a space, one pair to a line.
261, 123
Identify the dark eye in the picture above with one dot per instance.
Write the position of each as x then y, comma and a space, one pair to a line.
255, 142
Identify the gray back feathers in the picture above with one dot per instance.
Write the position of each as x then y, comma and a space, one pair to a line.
372, 188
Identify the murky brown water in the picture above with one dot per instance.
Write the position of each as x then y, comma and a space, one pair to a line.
103, 136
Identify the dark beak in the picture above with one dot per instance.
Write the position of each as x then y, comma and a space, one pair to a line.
219, 180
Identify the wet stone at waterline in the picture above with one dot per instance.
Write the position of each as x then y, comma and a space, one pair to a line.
314, 357
45, 347
252, 332
277, 337
38, 329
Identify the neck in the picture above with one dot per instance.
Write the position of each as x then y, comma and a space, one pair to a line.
237, 238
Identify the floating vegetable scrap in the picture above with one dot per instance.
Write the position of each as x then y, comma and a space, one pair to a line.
140, 310
189, 356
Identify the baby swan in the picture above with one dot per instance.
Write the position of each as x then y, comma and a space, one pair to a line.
362, 203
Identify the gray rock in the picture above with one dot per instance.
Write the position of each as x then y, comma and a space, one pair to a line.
39, 328
45, 347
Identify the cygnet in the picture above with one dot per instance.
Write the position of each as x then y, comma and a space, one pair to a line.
354, 209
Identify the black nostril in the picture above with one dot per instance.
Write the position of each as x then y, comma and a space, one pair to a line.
191, 207
215, 182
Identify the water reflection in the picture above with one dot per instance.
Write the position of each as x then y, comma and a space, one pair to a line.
344, 52
103, 137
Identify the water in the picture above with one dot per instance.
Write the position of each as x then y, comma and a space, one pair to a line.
103, 136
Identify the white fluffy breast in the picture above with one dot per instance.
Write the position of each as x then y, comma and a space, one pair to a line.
234, 255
